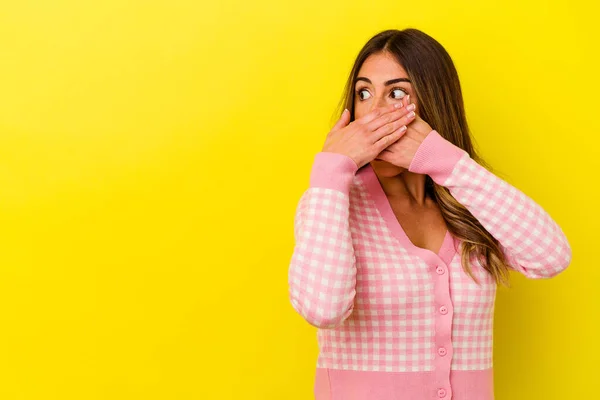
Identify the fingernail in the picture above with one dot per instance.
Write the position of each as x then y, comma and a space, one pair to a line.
403, 128
398, 105
411, 114
408, 98
411, 107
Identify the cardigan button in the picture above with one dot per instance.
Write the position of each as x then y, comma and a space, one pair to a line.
441, 393
440, 270
443, 310
442, 351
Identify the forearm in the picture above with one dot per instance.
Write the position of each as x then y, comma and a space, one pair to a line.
532, 241
322, 272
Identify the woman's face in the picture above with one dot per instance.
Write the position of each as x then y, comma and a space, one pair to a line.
381, 81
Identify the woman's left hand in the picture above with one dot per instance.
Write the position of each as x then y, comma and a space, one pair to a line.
401, 152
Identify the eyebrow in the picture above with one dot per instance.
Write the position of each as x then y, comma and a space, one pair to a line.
386, 83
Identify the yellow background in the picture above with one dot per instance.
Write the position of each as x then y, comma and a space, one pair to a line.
152, 154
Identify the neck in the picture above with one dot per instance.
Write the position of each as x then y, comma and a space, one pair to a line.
406, 185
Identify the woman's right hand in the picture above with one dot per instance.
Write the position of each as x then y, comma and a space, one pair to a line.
363, 139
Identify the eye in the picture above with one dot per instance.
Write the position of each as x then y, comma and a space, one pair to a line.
398, 93
364, 91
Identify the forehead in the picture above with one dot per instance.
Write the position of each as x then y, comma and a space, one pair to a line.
381, 67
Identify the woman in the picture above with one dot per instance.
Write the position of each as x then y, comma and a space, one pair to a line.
403, 235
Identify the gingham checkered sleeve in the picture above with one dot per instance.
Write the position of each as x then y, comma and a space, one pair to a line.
322, 271
532, 241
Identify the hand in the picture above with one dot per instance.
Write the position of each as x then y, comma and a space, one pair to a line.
402, 151
363, 139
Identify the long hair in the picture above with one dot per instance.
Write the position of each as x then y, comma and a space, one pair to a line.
437, 88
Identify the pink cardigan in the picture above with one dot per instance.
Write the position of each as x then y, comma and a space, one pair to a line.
396, 321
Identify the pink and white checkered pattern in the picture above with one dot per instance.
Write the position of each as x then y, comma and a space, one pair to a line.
373, 295
323, 288
391, 327
532, 240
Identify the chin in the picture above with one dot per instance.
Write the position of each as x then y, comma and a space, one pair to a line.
386, 169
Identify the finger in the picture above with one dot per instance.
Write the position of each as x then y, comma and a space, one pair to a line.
388, 140
407, 118
410, 117
378, 112
343, 121
387, 119
383, 156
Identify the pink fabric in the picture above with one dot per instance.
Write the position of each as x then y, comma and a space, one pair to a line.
360, 385
395, 319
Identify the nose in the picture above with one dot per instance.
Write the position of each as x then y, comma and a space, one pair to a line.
378, 101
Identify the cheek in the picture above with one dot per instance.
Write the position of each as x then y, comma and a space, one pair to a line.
360, 110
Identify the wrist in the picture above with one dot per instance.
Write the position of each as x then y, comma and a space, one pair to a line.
436, 157
333, 170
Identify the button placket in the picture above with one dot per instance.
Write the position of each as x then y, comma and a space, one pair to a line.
443, 330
